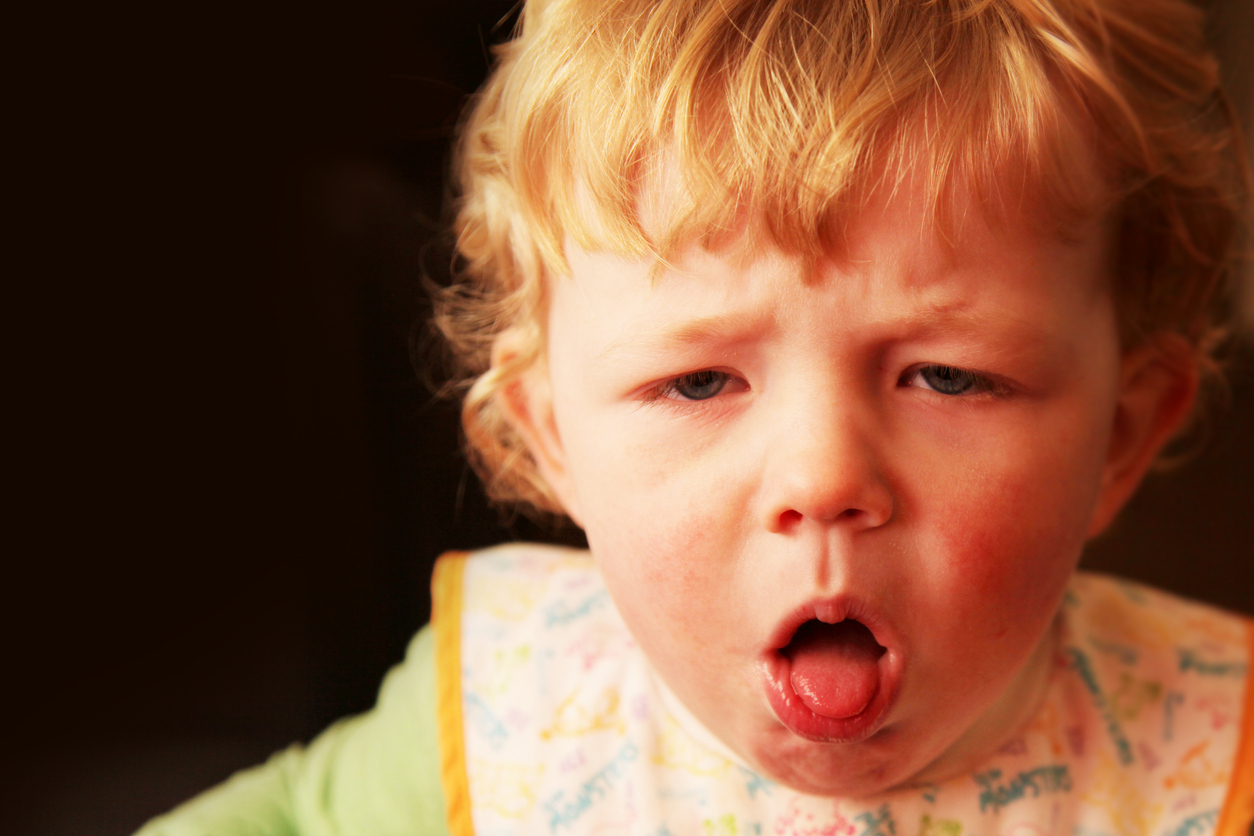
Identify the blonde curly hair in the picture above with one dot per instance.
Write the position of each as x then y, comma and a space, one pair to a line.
797, 108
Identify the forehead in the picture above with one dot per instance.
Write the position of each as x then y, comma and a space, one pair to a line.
895, 250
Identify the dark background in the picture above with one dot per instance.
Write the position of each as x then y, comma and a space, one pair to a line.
229, 484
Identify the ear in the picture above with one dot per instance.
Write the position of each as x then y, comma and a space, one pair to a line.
1157, 387
528, 403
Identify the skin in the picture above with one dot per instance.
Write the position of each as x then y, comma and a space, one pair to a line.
741, 438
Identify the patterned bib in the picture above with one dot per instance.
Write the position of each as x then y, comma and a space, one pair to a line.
552, 722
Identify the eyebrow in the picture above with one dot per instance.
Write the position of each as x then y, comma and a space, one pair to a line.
958, 316
949, 315
923, 321
729, 327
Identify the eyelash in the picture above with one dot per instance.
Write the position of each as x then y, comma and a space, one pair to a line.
973, 383
670, 390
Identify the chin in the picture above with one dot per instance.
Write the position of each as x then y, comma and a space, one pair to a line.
846, 770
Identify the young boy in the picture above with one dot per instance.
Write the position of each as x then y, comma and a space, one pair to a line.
839, 327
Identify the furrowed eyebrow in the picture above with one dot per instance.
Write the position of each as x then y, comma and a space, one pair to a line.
720, 328
922, 322
955, 315
1023, 333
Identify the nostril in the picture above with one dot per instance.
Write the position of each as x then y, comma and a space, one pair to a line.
792, 517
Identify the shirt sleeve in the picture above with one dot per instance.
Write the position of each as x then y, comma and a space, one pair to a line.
377, 774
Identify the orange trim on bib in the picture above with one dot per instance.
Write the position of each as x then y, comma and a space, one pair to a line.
1237, 818
446, 617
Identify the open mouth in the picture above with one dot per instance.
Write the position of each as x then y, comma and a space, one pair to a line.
835, 667
830, 682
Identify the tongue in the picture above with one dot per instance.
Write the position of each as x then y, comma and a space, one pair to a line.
835, 667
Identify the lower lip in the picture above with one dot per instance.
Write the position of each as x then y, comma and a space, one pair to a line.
798, 718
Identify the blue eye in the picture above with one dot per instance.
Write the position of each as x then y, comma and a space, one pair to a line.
697, 386
949, 380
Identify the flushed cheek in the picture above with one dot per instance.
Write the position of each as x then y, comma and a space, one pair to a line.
1009, 545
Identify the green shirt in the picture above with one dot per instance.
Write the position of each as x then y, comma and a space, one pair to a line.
376, 774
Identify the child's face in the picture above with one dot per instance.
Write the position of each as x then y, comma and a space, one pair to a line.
748, 449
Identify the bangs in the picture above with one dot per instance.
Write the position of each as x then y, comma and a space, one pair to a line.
799, 112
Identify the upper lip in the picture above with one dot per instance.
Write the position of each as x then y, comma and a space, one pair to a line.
830, 610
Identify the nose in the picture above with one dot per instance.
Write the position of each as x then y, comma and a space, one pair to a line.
823, 468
